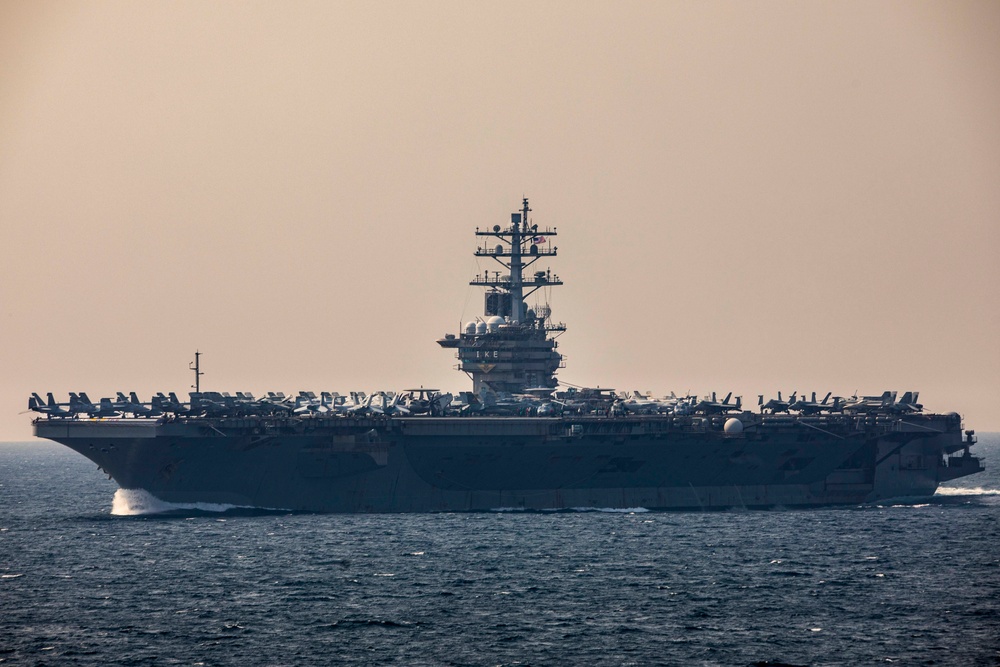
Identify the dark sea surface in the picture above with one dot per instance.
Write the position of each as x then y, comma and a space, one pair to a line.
912, 583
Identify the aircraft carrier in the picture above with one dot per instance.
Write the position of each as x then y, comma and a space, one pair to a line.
517, 440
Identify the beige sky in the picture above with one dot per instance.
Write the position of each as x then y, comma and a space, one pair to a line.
751, 196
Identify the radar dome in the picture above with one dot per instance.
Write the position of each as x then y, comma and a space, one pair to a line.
470, 328
480, 327
733, 426
493, 324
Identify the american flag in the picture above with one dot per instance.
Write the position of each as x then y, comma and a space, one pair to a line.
538, 239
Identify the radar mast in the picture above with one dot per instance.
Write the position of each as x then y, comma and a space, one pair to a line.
510, 348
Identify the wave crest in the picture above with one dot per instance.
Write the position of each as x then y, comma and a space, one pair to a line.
970, 491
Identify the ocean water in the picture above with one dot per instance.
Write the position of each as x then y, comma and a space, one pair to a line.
909, 583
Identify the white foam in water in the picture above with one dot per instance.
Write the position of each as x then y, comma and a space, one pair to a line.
959, 491
613, 510
507, 509
133, 502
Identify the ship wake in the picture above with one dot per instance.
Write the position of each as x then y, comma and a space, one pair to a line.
139, 502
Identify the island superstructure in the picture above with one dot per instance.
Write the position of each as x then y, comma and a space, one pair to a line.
516, 440
512, 349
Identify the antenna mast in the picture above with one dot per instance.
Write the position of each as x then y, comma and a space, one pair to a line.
196, 367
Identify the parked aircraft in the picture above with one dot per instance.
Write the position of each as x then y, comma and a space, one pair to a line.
870, 403
714, 406
812, 407
81, 404
50, 408
776, 405
131, 405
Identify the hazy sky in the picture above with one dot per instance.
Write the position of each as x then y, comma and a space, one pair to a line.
750, 196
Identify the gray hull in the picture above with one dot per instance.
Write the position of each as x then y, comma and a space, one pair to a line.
423, 464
